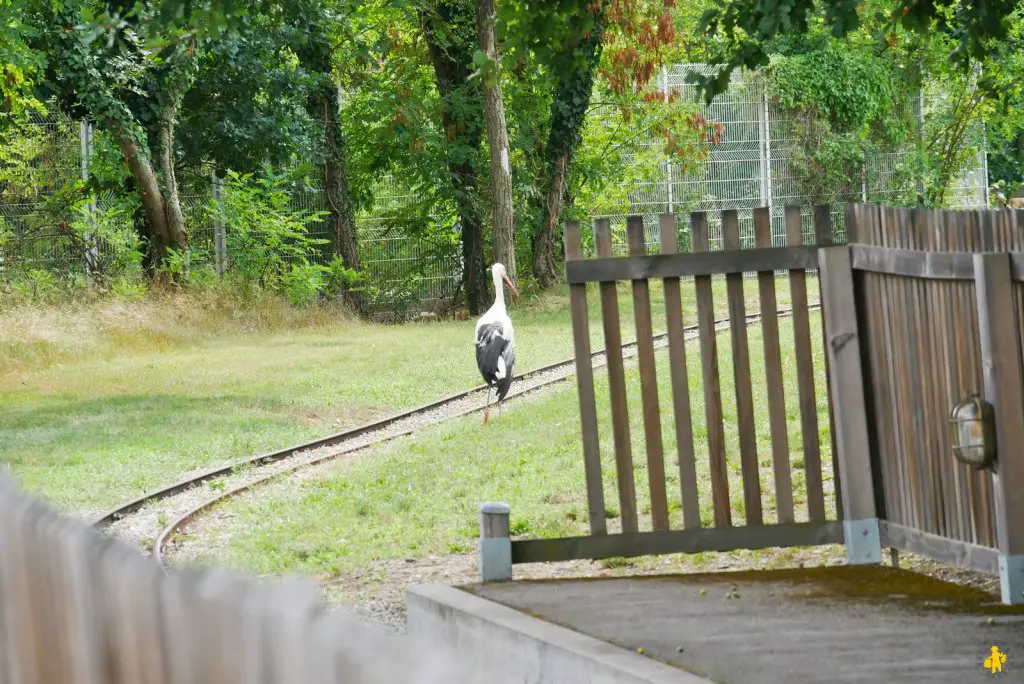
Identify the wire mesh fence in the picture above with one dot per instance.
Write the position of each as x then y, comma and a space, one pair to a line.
756, 163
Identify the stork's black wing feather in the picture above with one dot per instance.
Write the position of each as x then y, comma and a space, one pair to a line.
492, 345
509, 355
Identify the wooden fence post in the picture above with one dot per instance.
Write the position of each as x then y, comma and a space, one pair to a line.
494, 551
860, 520
585, 386
1004, 389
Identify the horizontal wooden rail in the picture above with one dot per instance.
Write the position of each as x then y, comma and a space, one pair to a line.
942, 549
914, 263
677, 541
691, 264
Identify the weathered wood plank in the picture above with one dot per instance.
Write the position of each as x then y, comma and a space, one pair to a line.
776, 396
944, 371
913, 263
680, 380
690, 264
616, 384
648, 380
843, 342
931, 413
805, 374
950, 551
904, 397
1004, 389
677, 541
823, 238
712, 385
745, 422
585, 386
854, 221
914, 355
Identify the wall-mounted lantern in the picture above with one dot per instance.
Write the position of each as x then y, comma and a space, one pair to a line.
972, 423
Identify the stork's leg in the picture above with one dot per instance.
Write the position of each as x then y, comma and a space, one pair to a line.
487, 407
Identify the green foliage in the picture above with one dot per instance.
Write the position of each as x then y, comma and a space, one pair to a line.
739, 32
843, 105
268, 245
268, 242
19, 62
849, 89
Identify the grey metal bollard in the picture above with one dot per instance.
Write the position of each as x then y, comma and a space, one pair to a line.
494, 548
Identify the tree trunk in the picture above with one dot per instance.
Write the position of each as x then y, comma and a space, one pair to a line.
448, 30
503, 237
172, 204
157, 231
339, 199
544, 269
570, 100
325, 104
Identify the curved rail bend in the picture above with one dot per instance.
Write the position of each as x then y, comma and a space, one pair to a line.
172, 528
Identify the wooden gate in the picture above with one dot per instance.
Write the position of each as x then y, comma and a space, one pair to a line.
805, 525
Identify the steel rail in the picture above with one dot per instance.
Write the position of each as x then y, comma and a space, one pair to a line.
178, 523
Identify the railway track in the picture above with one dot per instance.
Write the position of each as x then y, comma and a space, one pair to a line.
252, 472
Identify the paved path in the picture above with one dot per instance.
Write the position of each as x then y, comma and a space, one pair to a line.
824, 625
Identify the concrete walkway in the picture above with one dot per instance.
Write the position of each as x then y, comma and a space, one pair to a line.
826, 625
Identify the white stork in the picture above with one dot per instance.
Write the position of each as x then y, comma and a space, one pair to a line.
495, 342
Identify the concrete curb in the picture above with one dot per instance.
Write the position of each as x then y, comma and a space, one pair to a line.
497, 644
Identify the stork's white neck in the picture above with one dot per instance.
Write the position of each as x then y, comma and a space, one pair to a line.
499, 294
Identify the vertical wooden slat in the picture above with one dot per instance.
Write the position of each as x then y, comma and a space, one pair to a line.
855, 222
885, 406
648, 380
936, 404
823, 238
776, 394
805, 374
712, 384
585, 386
836, 275
1004, 389
968, 239
745, 422
960, 362
680, 380
81, 624
976, 241
896, 391
946, 381
915, 356
617, 384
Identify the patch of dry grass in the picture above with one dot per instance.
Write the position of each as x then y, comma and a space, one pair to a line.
38, 337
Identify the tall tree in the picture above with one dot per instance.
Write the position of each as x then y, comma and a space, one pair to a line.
448, 28
573, 68
573, 40
503, 238
316, 54
133, 89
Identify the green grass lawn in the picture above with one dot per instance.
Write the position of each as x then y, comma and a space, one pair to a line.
419, 496
101, 403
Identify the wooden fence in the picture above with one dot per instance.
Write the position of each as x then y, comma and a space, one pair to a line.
669, 266
77, 607
939, 314
921, 309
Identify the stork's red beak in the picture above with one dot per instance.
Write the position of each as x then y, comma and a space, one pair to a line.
510, 286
